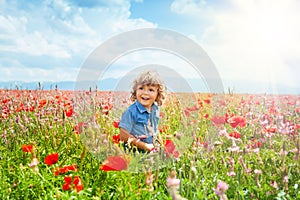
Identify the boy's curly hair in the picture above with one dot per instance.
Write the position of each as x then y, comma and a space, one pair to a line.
149, 78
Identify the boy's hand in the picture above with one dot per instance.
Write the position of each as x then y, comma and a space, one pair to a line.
149, 147
154, 150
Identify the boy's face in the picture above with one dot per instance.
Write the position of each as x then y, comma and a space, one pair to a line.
146, 95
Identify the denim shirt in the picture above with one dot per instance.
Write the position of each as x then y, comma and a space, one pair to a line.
135, 120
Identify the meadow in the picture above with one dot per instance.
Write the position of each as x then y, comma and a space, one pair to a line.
65, 145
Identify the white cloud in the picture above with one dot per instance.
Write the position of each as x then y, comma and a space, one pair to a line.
250, 40
188, 7
18, 39
58, 30
254, 40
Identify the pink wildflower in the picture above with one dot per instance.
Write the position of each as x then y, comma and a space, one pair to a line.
274, 185
285, 179
257, 171
231, 173
256, 150
173, 184
234, 147
34, 165
34, 162
222, 187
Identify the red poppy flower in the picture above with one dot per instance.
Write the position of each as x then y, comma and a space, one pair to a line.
78, 183
68, 181
31, 108
20, 108
200, 103
5, 110
105, 112
116, 123
106, 109
207, 101
236, 135
192, 109
218, 120
79, 127
187, 112
42, 102
116, 138
4, 101
204, 144
27, 148
65, 169
69, 112
233, 122
237, 121
254, 143
228, 116
270, 129
67, 104
71, 167
258, 144
51, 159
114, 163
66, 186
170, 149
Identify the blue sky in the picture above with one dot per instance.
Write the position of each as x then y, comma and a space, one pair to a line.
253, 43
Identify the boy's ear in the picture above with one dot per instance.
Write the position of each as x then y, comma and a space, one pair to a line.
157, 97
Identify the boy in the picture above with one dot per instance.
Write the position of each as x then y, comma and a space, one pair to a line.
139, 123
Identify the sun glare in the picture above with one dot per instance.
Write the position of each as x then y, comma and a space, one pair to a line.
272, 26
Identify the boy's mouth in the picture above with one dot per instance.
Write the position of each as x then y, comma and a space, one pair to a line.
145, 98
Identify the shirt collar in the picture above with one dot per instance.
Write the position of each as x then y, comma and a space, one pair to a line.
142, 109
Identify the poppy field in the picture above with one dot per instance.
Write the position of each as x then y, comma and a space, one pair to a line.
66, 145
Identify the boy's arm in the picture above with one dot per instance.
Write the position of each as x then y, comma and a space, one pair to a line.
125, 135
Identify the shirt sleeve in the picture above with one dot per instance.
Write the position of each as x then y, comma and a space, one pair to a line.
127, 121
